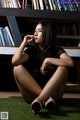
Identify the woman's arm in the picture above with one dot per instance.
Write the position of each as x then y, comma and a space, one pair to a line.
64, 60
20, 57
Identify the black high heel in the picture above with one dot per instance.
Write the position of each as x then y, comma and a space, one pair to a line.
36, 106
50, 103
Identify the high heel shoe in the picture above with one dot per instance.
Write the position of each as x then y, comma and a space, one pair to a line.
50, 103
36, 106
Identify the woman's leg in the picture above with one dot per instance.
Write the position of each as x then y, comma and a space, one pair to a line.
26, 83
55, 86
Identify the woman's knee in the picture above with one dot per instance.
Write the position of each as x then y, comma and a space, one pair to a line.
18, 69
63, 69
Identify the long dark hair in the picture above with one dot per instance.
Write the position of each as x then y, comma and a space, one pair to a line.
48, 36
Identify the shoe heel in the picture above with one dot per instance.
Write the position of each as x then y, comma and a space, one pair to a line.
50, 104
36, 106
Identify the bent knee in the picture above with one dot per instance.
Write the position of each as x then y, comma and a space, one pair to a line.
18, 69
63, 69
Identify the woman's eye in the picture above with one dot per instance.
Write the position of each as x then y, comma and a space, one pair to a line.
37, 31
40, 30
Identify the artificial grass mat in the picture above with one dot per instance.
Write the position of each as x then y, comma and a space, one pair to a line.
18, 109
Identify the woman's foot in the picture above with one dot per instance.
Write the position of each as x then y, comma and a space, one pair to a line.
36, 106
50, 103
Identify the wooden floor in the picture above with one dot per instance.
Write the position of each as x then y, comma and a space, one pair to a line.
17, 94
9, 94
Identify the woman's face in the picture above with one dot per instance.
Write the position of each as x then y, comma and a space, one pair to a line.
38, 34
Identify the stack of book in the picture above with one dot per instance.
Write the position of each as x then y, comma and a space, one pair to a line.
6, 37
59, 5
10, 4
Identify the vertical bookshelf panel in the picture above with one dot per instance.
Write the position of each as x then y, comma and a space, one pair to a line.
14, 29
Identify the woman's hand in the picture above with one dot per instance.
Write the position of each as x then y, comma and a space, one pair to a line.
44, 66
27, 39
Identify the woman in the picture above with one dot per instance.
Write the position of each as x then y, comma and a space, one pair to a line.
41, 68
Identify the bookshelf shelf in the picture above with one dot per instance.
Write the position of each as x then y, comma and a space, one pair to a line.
72, 51
72, 47
68, 36
8, 50
50, 14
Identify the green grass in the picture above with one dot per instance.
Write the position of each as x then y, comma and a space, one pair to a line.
18, 109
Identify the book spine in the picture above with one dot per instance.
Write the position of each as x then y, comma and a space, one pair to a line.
53, 3
70, 5
28, 4
56, 3
7, 42
77, 4
18, 3
37, 5
2, 37
5, 3
1, 41
23, 4
2, 3
34, 4
11, 39
15, 4
51, 7
46, 4
63, 5
41, 4
59, 6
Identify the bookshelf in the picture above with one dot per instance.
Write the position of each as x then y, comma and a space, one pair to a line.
35, 15
15, 17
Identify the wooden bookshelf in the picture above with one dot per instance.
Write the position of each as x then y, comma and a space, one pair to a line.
72, 51
33, 16
8, 50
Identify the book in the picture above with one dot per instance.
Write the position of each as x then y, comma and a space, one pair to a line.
7, 39
2, 37
9, 35
77, 4
23, 4
2, 4
5, 3
59, 5
63, 5
53, 3
11, 3
34, 4
28, 4
0, 41
19, 4
15, 3
71, 5
41, 4
37, 5
50, 3
46, 4
56, 4
74, 5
